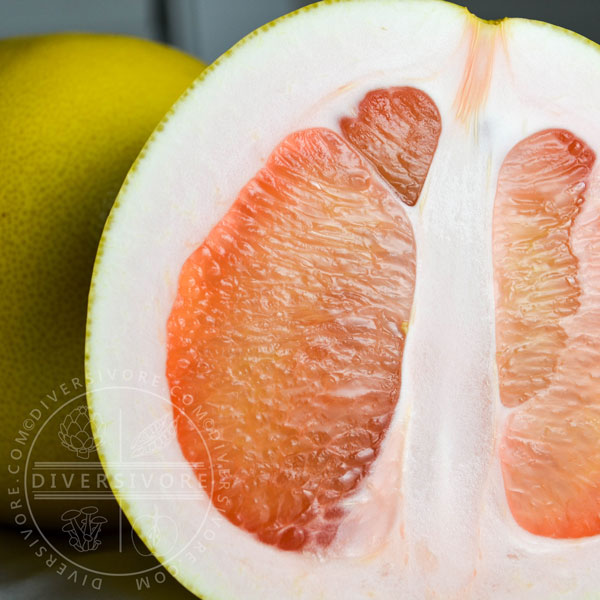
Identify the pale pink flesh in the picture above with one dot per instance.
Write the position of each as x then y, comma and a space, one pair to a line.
546, 241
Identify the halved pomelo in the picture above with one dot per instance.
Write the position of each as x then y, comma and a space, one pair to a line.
357, 274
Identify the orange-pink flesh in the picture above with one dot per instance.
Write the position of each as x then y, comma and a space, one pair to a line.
546, 244
397, 129
285, 341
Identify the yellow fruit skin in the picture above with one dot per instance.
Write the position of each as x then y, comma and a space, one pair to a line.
75, 110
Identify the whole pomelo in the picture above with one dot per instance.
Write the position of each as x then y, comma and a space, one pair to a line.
75, 110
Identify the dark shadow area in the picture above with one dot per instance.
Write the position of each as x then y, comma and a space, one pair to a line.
24, 575
581, 16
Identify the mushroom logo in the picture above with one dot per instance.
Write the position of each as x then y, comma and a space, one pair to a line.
83, 527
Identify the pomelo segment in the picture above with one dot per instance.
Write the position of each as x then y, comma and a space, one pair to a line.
398, 130
547, 261
540, 192
287, 333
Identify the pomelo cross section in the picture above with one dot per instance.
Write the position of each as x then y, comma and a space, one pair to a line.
360, 264
290, 320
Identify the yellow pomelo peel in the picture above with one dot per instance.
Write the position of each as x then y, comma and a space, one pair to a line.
75, 110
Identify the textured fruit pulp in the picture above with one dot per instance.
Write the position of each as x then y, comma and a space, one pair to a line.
546, 244
285, 340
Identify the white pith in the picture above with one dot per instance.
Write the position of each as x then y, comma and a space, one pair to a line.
432, 519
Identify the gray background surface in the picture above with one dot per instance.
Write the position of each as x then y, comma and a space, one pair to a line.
205, 28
